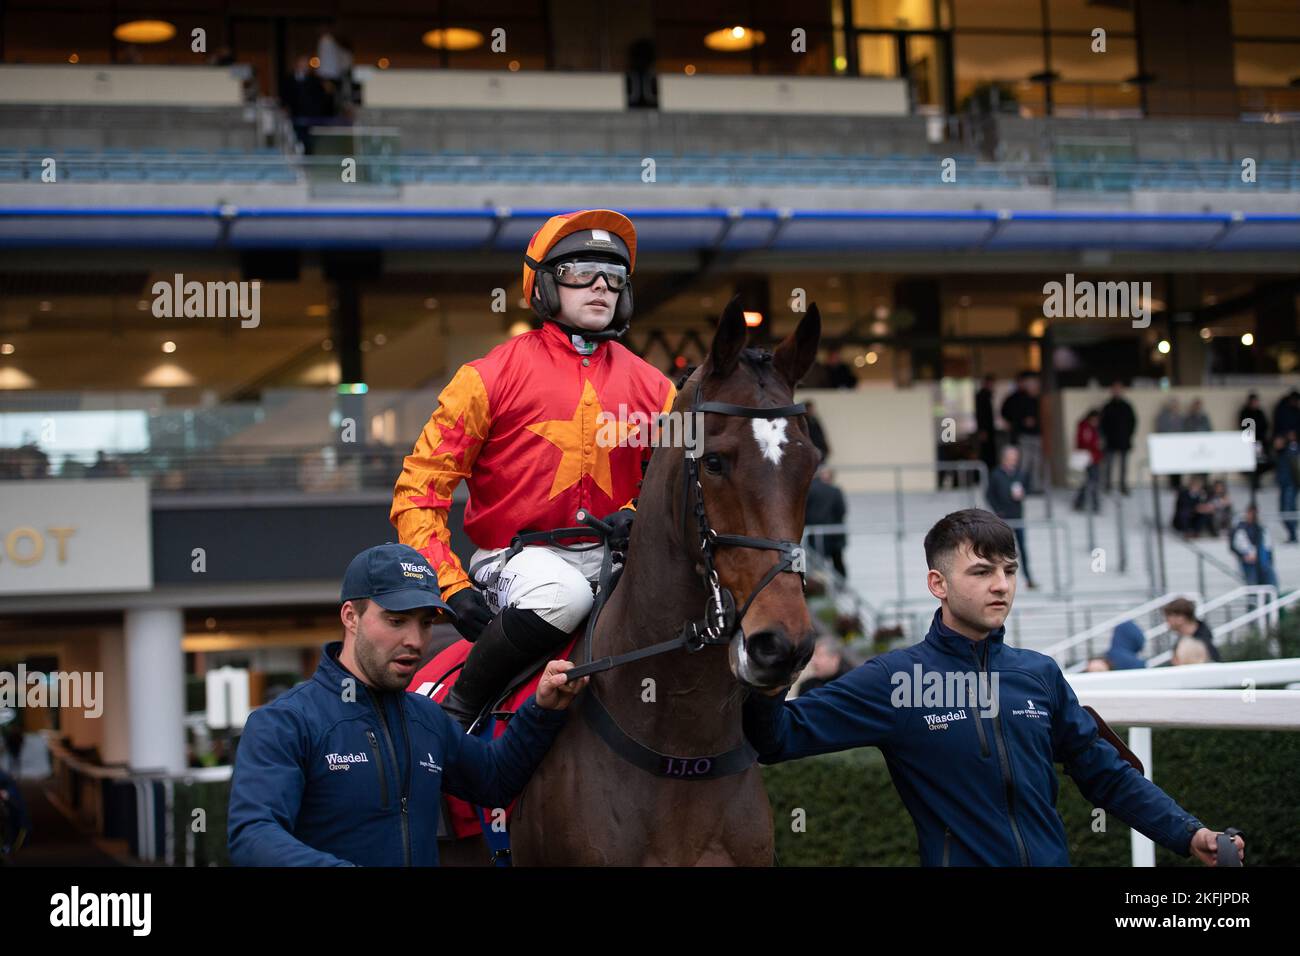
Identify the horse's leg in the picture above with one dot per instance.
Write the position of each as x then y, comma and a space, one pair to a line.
726, 822
583, 806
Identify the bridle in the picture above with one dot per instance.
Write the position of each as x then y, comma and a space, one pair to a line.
721, 621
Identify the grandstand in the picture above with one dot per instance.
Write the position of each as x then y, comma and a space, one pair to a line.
921, 173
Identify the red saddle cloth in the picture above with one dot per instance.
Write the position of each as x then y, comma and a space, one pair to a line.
432, 680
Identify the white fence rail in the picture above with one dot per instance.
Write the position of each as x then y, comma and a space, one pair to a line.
1181, 697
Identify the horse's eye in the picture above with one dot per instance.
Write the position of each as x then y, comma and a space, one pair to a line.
713, 463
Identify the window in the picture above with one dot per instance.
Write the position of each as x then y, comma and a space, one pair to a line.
1087, 15
1266, 18
1014, 14
894, 14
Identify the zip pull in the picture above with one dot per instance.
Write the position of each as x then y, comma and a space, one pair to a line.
403, 804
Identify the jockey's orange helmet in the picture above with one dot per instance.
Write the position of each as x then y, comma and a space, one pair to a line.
588, 234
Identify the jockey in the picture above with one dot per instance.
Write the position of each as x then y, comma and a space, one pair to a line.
538, 428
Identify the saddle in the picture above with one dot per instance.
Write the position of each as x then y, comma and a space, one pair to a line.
436, 678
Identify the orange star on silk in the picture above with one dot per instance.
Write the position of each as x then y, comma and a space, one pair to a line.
570, 437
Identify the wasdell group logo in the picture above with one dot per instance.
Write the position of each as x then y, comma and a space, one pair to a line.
76, 909
415, 570
345, 761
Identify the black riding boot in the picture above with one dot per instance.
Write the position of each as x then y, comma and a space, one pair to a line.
510, 643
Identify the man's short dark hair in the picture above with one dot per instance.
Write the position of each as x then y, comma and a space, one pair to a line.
361, 604
1182, 607
988, 536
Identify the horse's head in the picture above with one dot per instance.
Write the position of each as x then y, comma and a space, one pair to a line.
754, 474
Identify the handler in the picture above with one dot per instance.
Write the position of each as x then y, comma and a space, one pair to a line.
976, 774
348, 768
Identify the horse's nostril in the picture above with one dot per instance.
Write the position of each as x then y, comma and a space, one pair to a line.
772, 649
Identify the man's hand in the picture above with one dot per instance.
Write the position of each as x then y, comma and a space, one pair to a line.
620, 523
1205, 846
472, 612
554, 692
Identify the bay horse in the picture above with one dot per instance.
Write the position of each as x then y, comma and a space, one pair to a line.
652, 766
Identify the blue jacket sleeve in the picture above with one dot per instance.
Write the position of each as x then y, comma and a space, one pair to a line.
1108, 781
491, 773
851, 711
266, 792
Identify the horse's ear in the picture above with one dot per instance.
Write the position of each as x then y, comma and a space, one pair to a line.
797, 352
728, 340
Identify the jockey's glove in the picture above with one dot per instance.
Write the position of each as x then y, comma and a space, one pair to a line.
472, 612
620, 523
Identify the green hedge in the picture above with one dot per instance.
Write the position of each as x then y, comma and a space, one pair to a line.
1246, 779
210, 843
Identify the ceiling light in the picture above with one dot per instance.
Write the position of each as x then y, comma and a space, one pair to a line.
734, 39
144, 31
452, 38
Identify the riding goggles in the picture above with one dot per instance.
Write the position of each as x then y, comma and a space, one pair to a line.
579, 273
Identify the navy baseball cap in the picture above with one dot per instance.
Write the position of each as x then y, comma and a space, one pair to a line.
394, 576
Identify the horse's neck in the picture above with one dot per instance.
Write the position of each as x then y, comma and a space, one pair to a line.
675, 702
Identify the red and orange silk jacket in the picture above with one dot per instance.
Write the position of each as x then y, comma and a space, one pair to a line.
520, 426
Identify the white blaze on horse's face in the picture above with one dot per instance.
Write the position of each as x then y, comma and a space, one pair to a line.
770, 435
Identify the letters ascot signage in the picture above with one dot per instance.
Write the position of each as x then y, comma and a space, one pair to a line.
65, 537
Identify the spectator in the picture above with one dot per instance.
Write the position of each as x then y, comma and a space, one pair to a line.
838, 374
1221, 516
307, 100
1021, 412
72, 468
1125, 650
816, 432
1193, 512
334, 67
1087, 438
1180, 615
641, 77
14, 822
826, 665
1170, 419
1190, 650
1197, 420
1252, 414
222, 56
1251, 543
985, 425
1287, 426
1118, 422
104, 467
1006, 495
1286, 414
826, 506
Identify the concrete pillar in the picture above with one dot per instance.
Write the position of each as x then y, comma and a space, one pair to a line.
115, 731
155, 688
